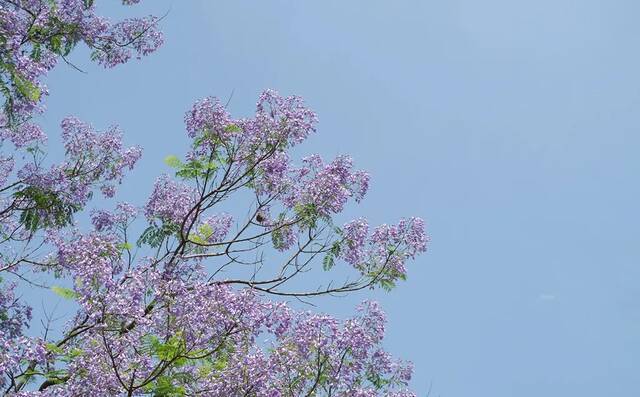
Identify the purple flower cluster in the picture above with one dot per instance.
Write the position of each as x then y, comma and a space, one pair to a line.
13, 314
23, 135
356, 234
117, 44
328, 187
208, 116
15, 351
170, 201
106, 220
102, 155
386, 250
279, 122
6, 166
197, 317
14, 347
37, 32
93, 159
282, 118
92, 259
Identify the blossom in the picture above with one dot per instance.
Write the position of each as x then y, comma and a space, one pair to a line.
118, 44
170, 200
284, 117
106, 220
207, 115
328, 187
14, 346
23, 135
355, 234
29, 55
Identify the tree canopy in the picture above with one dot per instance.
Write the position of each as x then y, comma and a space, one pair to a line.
183, 307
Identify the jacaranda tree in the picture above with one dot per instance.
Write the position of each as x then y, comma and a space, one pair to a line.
185, 295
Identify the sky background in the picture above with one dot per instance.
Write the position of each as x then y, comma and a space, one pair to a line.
510, 126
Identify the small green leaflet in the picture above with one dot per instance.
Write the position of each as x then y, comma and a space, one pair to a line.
66, 293
172, 161
53, 348
125, 246
27, 88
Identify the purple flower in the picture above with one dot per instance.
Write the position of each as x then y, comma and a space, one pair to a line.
170, 201
24, 135
355, 235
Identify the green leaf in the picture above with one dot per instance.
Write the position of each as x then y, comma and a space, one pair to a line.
387, 284
221, 363
125, 246
55, 374
328, 262
172, 161
205, 369
36, 52
154, 235
165, 388
233, 128
44, 208
56, 43
71, 355
195, 238
168, 351
377, 380
212, 166
205, 230
53, 348
28, 376
308, 214
66, 293
26, 88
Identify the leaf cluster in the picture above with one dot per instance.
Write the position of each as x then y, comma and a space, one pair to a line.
41, 208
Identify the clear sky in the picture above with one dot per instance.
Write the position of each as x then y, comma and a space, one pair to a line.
510, 126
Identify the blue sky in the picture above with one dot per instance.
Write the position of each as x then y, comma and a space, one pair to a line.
510, 126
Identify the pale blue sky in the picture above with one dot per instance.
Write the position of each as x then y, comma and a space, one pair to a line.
510, 126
